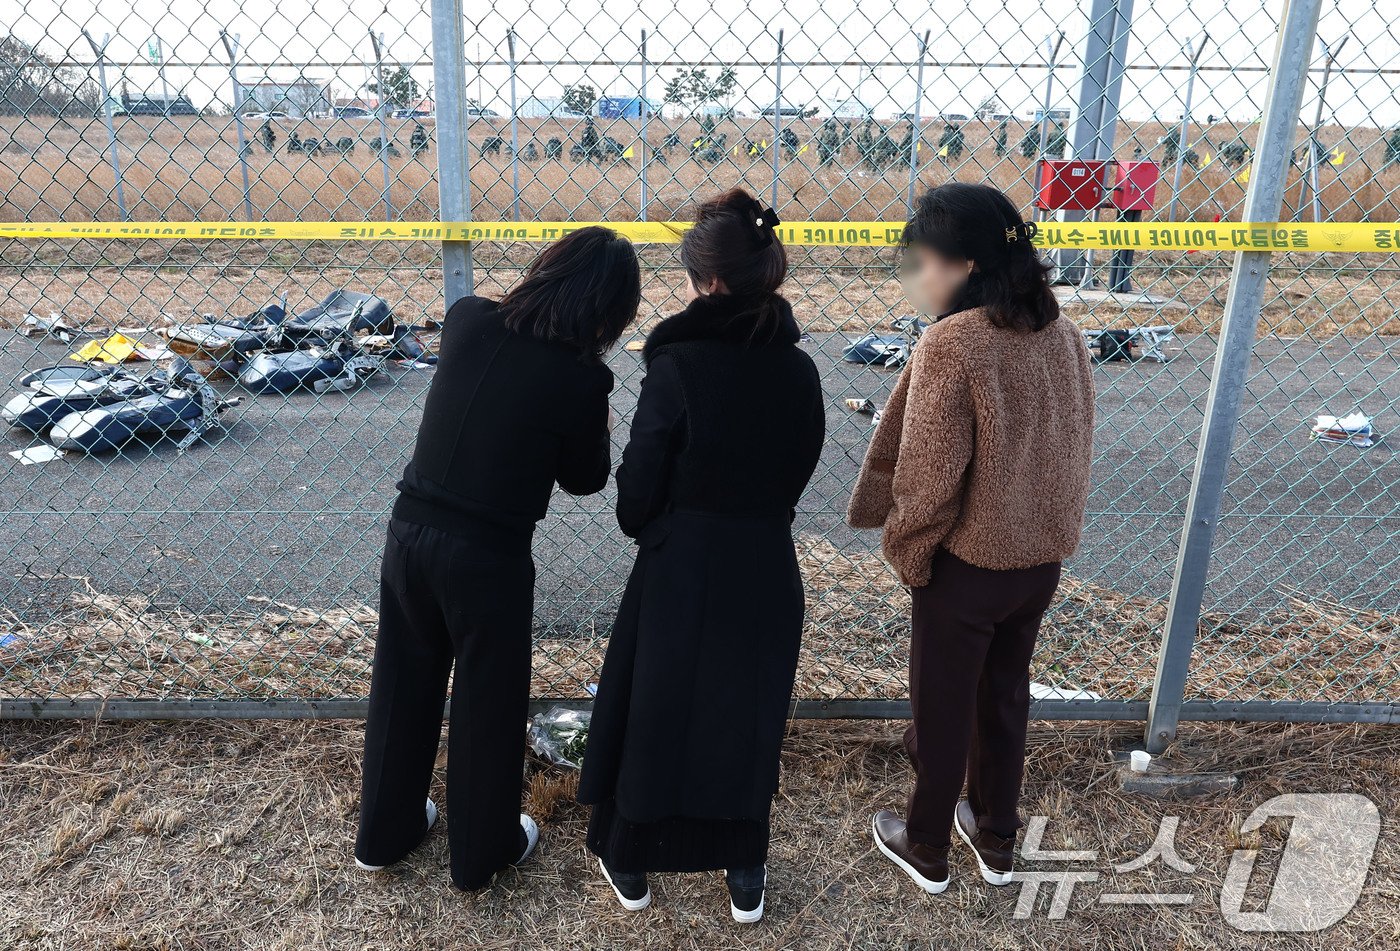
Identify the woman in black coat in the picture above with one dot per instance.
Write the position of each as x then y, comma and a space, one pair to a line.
692, 704
519, 403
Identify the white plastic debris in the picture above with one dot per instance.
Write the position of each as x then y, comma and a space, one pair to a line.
1354, 429
50, 326
1139, 760
1046, 692
36, 454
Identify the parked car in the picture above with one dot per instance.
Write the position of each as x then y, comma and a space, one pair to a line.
266, 116
353, 112
410, 114
481, 112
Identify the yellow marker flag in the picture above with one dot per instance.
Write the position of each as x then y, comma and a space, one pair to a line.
1205, 162
801, 150
628, 153
1338, 157
943, 152
765, 143
1243, 176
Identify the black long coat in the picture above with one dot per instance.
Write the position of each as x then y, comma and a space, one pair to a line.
693, 699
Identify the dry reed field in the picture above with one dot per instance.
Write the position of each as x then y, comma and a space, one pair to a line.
855, 646
236, 835
183, 169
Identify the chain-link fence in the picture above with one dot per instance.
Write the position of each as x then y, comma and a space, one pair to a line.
239, 576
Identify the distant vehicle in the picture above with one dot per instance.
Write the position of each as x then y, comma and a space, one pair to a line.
266, 116
410, 114
353, 112
117, 110
953, 117
624, 107
547, 107
481, 112
156, 106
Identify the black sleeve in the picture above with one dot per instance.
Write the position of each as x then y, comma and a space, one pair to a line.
658, 434
586, 457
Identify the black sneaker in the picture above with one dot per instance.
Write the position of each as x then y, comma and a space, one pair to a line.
631, 888
746, 900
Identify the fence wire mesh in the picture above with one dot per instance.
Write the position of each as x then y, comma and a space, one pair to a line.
245, 569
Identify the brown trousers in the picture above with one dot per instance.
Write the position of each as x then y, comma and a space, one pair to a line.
969, 681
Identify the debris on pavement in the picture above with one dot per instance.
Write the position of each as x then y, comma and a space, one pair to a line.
32, 455
1354, 429
50, 326
1131, 343
117, 348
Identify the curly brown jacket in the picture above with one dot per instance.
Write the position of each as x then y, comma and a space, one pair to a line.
983, 448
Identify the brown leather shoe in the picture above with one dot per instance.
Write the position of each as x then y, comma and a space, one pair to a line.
994, 853
925, 864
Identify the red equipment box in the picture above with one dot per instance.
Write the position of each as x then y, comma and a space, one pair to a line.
1075, 185
1137, 186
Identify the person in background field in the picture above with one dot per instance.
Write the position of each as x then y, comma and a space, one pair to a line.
978, 473
692, 704
518, 403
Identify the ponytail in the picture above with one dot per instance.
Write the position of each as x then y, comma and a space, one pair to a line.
734, 242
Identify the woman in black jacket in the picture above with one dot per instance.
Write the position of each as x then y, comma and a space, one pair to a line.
682, 759
519, 402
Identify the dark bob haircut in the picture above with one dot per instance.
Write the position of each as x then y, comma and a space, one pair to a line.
733, 243
582, 291
978, 223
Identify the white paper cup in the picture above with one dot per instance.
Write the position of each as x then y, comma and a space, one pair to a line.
1138, 760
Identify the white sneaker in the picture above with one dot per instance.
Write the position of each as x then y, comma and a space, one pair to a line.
532, 837
746, 916
430, 811
631, 904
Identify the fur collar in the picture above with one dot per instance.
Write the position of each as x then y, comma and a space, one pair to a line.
724, 318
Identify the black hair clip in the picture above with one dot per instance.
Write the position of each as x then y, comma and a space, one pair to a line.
764, 220
1026, 229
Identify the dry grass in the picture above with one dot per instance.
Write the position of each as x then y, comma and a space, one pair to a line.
187, 168
237, 835
855, 647
100, 285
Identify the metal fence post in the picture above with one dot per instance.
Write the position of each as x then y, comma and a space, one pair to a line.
377, 43
1052, 58
453, 145
1310, 181
231, 47
514, 130
1194, 52
777, 117
1104, 59
100, 52
1240, 324
916, 121
645, 107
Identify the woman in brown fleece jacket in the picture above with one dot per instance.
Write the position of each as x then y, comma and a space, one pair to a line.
978, 473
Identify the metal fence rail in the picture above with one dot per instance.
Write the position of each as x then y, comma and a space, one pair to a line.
1230, 569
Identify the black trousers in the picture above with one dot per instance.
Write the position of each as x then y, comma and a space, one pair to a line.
969, 681
444, 600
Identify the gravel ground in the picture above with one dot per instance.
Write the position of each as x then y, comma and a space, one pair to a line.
290, 502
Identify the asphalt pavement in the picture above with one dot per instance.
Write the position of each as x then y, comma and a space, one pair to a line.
290, 503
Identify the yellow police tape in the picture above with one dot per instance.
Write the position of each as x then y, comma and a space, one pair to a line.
1141, 236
